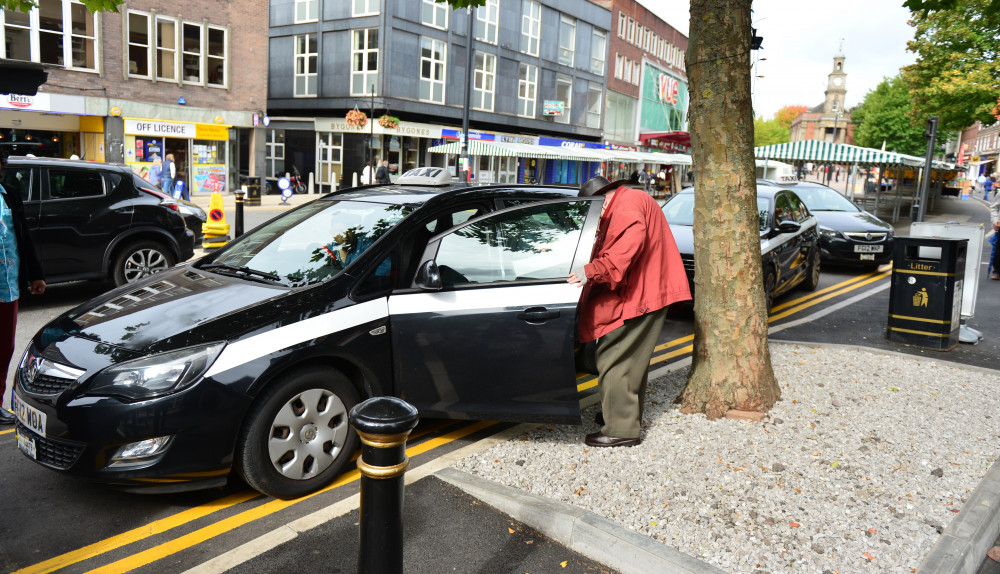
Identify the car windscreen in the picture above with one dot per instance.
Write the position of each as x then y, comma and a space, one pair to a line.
820, 199
680, 210
311, 244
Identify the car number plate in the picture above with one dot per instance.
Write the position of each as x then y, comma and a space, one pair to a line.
868, 249
869, 257
27, 446
29, 416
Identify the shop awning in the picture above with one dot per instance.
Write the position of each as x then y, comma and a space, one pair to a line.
512, 149
679, 138
496, 149
826, 152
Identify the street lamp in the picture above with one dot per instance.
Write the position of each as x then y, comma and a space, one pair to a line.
465, 174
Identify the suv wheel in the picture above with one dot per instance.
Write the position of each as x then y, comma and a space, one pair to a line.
139, 260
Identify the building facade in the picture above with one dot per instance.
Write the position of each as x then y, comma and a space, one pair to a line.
829, 121
156, 78
537, 72
979, 150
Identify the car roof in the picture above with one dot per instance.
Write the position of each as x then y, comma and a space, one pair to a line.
63, 162
419, 194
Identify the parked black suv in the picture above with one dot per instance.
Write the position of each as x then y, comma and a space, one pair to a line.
90, 221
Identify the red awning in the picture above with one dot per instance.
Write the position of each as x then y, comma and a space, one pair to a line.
677, 138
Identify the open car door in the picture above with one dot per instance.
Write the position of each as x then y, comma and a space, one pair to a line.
489, 328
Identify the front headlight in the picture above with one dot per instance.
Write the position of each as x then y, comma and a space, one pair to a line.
157, 375
828, 232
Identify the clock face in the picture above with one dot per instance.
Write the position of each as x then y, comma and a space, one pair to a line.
838, 81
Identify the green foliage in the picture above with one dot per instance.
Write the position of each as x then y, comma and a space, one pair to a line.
957, 73
786, 115
768, 132
462, 3
886, 114
92, 5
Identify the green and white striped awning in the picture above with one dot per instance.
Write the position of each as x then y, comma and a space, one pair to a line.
513, 149
827, 152
496, 149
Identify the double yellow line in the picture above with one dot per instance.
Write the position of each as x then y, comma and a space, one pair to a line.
680, 347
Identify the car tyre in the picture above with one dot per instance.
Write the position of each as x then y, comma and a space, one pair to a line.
139, 260
770, 284
297, 437
812, 273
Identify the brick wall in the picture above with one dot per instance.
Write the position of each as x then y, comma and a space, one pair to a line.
247, 23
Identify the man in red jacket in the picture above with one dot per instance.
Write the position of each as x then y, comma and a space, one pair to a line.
634, 274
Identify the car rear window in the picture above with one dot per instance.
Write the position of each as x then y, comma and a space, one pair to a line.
75, 183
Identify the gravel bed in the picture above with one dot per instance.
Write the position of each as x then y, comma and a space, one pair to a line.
859, 468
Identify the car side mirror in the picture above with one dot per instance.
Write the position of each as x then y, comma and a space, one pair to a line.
428, 277
789, 226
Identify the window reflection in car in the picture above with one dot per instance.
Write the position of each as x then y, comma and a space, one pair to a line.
316, 242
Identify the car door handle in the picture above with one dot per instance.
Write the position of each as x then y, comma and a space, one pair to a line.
537, 314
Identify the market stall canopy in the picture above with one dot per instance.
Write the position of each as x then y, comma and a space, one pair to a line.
513, 149
829, 152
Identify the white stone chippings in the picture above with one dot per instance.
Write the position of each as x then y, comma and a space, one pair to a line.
859, 467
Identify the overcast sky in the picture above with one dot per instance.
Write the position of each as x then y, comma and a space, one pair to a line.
802, 36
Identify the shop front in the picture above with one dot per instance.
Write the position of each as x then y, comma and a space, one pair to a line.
50, 125
200, 152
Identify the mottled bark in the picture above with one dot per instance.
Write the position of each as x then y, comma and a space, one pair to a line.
731, 366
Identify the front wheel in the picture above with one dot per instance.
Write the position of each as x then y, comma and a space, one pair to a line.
297, 437
140, 260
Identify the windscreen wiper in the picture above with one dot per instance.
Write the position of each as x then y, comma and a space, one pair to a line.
243, 270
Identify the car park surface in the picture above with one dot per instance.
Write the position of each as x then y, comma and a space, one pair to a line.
788, 239
249, 359
848, 235
90, 221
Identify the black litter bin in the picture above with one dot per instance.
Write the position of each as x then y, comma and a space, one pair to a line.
925, 300
252, 196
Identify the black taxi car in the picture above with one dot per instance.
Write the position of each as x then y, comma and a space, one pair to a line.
789, 239
250, 359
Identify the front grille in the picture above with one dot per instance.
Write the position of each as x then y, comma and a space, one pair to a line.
865, 236
58, 454
688, 261
43, 384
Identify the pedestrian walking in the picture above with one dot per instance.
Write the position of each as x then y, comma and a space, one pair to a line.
168, 174
980, 181
156, 170
995, 219
382, 175
368, 174
988, 186
634, 274
19, 268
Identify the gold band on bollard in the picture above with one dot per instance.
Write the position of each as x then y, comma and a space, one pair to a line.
382, 472
384, 440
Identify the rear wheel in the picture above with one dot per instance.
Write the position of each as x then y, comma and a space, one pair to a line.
297, 438
812, 273
139, 260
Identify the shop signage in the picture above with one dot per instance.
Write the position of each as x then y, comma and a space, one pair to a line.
569, 143
211, 132
39, 102
473, 135
668, 89
411, 129
515, 139
553, 107
160, 128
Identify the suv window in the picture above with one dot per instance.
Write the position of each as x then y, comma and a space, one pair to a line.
17, 180
72, 184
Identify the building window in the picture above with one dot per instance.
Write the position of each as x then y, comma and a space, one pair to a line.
58, 32
567, 40
564, 93
622, 24
594, 104
364, 7
139, 46
216, 59
191, 53
631, 31
487, 20
531, 26
306, 58
274, 155
836, 105
483, 82
306, 11
434, 14
527, 88
619, 66
598, 51
432, 66
635, 73
166, 49
364, 62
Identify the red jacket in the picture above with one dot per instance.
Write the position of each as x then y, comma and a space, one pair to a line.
635, 267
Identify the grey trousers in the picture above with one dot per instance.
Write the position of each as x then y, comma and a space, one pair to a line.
623, 369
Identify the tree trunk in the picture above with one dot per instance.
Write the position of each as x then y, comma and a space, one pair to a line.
731, 366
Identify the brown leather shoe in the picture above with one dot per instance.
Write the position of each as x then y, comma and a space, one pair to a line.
599, 439
994, 276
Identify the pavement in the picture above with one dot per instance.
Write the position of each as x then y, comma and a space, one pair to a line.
456, 522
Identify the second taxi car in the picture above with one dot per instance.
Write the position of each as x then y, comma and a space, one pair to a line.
250, 359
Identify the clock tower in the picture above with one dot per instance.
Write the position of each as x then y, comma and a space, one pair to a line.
836, 87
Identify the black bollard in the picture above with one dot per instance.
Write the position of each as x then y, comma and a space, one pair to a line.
238, 223
383, 423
